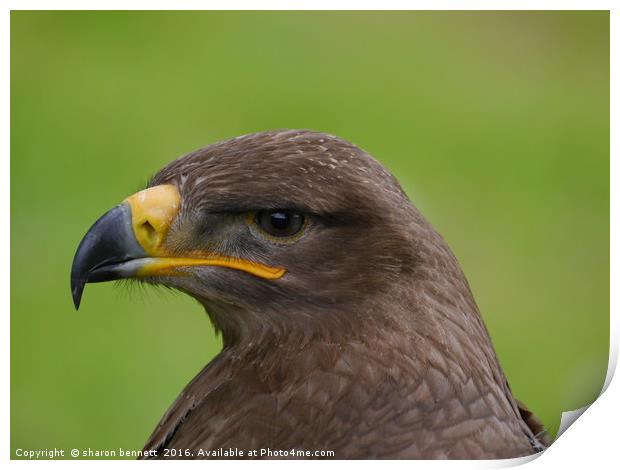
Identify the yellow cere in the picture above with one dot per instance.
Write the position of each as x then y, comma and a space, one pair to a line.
152, 212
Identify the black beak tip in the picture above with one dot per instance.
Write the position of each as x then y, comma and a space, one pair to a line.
77, 288
109, 242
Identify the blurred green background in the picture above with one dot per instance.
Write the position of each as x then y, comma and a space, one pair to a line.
496, 124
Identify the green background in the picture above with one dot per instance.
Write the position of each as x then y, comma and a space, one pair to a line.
496, 124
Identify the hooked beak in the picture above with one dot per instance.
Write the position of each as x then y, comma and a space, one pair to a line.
128, 241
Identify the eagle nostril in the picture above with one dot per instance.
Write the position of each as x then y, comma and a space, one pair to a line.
150, 232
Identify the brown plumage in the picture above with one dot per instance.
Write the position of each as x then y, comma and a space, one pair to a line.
370, 345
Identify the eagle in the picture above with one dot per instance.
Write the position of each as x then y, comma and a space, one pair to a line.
348, 327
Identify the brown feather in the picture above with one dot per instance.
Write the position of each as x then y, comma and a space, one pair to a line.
371, 346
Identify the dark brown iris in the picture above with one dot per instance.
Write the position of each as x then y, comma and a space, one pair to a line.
280, 223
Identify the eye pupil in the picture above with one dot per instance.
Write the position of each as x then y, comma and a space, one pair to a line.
280, 223
280, 220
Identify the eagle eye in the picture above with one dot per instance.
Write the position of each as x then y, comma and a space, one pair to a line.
280, 223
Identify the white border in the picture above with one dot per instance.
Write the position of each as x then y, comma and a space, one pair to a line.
592, 442
309, 5
5, 113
